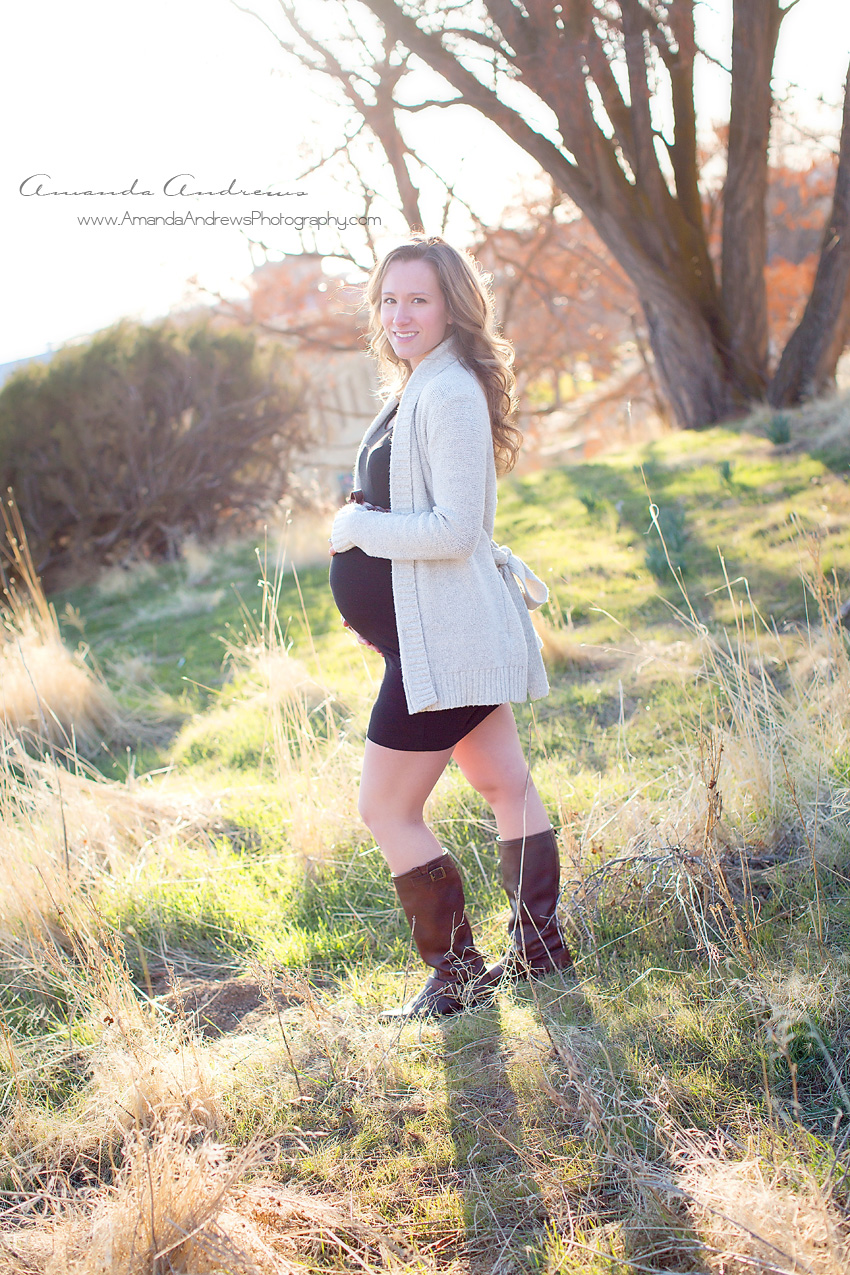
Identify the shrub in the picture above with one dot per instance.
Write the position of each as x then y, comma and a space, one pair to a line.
123, 446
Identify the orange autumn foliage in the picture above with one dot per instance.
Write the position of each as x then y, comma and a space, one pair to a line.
561, 297
798, 204
564, 301
296, 298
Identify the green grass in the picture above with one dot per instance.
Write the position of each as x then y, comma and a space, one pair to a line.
552, 1131
588, 529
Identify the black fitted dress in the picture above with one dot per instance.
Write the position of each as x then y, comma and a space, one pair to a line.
362, 587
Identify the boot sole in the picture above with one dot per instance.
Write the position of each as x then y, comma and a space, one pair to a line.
405, 1015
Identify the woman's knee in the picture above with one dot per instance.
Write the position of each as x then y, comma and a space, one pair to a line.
499, 787
369, 809
382, 815
375, 797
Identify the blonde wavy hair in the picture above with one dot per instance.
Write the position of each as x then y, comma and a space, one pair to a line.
480, 347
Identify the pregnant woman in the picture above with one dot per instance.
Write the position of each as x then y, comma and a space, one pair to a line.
416, 575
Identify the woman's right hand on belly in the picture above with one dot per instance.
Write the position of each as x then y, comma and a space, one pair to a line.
360, 639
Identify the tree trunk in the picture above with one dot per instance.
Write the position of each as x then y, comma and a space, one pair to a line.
689, 366
743, 291
807, 366
686, 332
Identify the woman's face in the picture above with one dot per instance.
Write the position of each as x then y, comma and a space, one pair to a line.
414, 314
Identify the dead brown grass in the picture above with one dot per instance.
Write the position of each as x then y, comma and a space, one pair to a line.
62, 829
48, 694
162, 1215
316, 763
176, 1207
562, 653
754, 1222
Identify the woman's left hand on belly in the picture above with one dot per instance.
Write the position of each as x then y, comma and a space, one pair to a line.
340, 533
360, 639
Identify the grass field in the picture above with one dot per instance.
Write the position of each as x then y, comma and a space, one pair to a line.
196, 932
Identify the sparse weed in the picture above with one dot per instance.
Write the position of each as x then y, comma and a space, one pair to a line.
778, 429
667, 543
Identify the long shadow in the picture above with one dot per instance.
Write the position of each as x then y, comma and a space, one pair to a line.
601, 488
512, 1226
504, 1212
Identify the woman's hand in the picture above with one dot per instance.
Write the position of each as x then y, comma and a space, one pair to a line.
340, 539
360, 639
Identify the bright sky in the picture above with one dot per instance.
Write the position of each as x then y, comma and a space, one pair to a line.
98, 93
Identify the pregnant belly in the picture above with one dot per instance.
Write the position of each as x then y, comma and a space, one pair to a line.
362, 589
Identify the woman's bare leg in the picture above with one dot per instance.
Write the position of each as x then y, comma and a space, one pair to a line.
394, 787
492, 760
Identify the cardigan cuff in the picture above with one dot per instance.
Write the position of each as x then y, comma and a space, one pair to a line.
342, 528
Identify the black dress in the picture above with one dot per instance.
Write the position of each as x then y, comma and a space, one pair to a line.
362, 587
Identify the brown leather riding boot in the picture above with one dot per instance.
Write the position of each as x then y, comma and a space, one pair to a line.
433, 902
531, 875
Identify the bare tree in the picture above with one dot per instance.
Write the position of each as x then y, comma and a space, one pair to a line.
597, 65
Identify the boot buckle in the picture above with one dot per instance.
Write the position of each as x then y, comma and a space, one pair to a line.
438, 873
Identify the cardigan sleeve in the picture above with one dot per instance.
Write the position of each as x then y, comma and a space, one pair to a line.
460, 449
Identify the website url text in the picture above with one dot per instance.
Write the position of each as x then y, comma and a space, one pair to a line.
297, 221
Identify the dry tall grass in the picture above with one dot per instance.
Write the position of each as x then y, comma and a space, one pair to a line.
560, 649
130, 1173
757, 781
63, 829
754, 1221
48, 694
316, 763
161, 1215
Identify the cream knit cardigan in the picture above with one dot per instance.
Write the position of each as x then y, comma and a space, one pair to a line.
465, 635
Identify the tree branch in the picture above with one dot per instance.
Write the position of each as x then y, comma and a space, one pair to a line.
648, 172
478, 37
412, 108
379, 115
510, 22
430, 48
338, 150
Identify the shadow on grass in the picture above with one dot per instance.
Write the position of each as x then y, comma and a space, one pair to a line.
554, 1160
504, 1212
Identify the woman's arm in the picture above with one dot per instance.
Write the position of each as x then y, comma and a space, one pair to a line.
460, 450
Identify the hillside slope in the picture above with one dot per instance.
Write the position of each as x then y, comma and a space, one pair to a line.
196, 931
